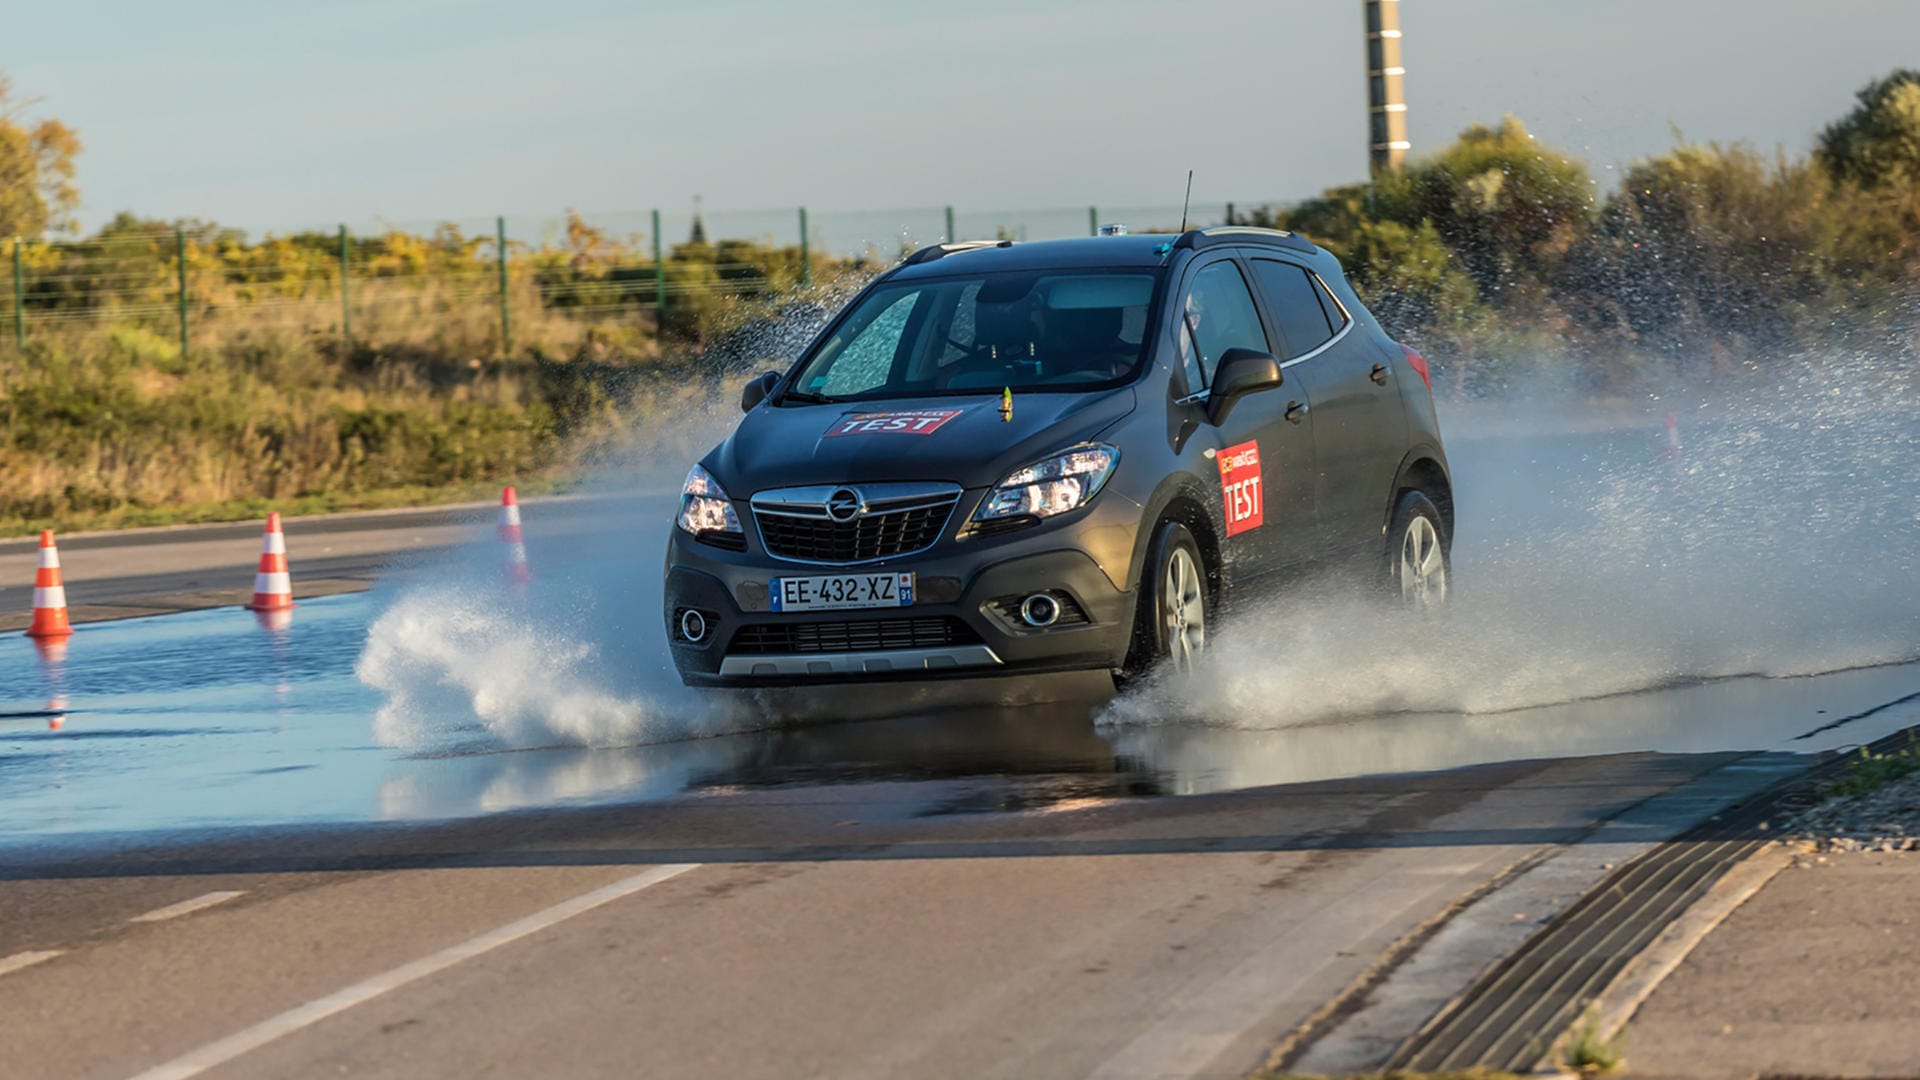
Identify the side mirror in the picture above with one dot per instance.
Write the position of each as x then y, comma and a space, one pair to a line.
756, 391
1241, 372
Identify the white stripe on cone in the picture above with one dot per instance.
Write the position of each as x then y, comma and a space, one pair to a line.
50, 597
49, 558
276, 544
273, 584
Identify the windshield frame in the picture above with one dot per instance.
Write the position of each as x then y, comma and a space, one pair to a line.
789, 387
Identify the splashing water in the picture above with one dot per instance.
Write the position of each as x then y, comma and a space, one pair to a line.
577, 656
443, 655
1781, 538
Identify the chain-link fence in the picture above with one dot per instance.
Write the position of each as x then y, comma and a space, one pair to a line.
610, 278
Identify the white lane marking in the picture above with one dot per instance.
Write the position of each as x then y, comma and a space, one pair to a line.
219, 1053
188, 907
9, 964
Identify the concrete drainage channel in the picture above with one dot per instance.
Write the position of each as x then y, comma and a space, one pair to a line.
1512, 1015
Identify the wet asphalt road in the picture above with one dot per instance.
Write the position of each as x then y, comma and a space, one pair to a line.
159, 571
826, 930
233, 856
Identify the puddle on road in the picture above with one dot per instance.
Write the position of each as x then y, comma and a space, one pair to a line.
205, 721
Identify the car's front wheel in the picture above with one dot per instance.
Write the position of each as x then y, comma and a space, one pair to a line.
1173, 603
1419, 560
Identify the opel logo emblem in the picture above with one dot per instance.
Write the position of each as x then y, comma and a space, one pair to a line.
844, 505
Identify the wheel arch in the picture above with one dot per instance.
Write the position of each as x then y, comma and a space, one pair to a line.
1425, 470
1182, 499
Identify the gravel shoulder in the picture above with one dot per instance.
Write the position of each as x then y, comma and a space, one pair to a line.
1884, 820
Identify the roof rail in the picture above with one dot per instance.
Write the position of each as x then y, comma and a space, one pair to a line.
937, 251
1199, 239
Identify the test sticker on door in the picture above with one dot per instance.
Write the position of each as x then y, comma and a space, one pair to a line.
1240, 484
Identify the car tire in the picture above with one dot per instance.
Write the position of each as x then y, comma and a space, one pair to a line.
1419, 555
1170, 626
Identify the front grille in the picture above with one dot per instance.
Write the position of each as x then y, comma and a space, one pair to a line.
874, 535
859, 635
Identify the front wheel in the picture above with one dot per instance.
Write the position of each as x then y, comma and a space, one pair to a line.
1172, 627
1419, 558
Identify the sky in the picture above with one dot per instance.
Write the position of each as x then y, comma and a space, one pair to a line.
284, 115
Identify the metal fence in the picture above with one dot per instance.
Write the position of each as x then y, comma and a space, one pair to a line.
375, 282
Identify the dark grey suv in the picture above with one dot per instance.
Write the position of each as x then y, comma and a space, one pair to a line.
1008, 458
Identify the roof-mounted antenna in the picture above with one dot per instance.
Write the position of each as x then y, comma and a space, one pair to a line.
1186, 202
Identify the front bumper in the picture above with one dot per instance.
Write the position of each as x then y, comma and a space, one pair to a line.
965, 581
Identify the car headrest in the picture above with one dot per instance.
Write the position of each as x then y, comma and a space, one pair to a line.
1086, 329
1005, 325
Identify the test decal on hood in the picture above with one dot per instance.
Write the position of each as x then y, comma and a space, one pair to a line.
1240, 485
896, 422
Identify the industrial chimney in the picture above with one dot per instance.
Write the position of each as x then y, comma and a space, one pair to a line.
1386, 86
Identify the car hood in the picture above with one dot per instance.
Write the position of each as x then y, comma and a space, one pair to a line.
960, 439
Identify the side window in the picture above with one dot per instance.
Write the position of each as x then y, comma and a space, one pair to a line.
1218, 315
1294, 298
1336, 315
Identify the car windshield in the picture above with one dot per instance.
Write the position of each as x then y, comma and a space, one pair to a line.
1031, 330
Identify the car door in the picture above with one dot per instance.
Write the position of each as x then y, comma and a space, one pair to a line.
1360, 423
1264, 449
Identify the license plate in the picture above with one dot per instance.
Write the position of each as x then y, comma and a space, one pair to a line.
841, 592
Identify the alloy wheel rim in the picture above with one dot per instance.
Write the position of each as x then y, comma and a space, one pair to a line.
1423, 566
1186, 611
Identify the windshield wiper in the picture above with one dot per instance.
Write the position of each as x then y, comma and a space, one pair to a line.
805, 398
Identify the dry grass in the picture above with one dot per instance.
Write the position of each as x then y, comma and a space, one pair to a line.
1399, 1074
105, 420
105, 423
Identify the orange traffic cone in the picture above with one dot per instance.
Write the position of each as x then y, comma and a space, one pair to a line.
49, 595
516, 564
272, 585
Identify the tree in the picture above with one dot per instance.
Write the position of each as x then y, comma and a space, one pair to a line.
1878, 143
1509, 206
37, 193
1489, 219
1712, 243
1403, 269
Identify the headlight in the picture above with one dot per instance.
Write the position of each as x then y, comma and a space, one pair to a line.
1066, 481
704, 507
